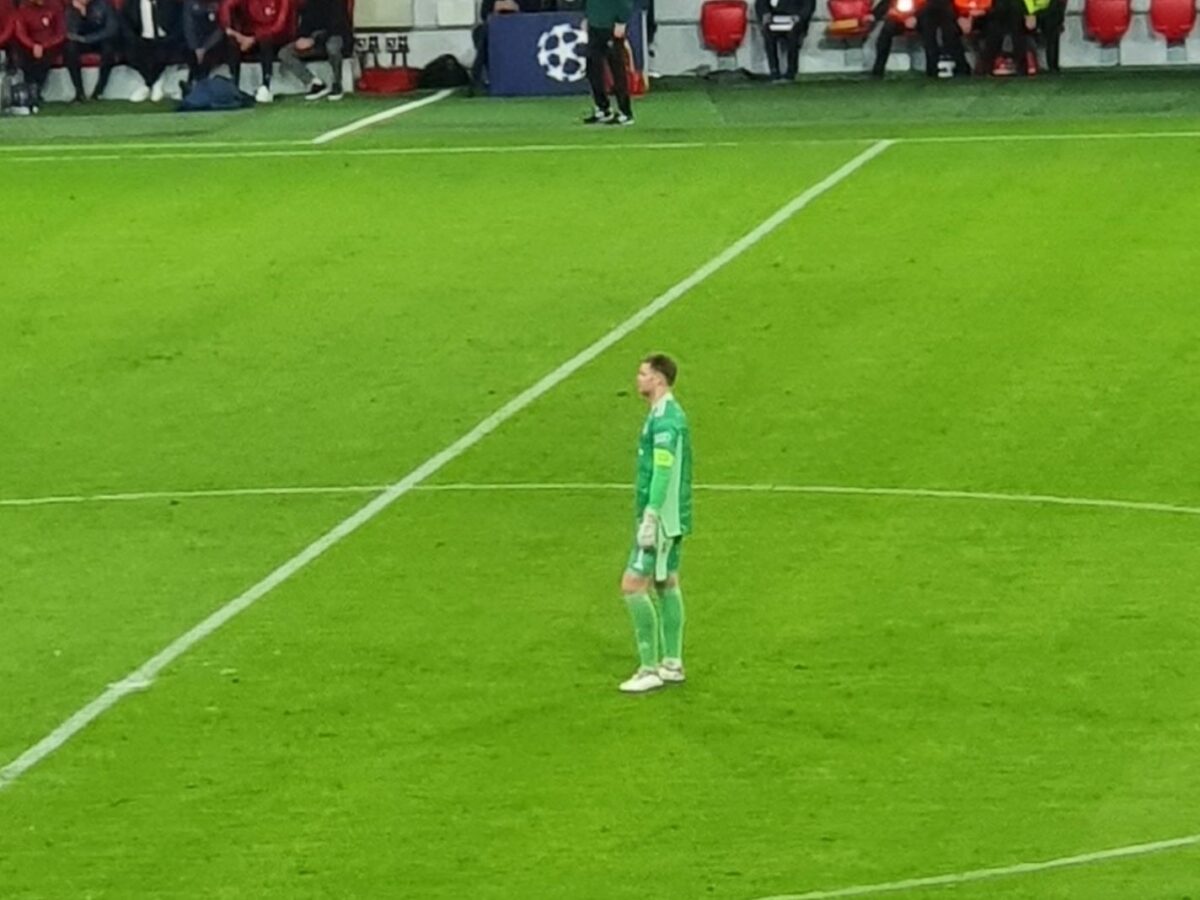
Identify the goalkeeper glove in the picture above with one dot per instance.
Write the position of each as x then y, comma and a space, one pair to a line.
647, 536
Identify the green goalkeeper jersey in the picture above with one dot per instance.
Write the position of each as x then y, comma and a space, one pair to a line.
664, 467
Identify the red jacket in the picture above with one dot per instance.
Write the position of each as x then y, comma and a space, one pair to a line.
45, 25
263, 19
8, 21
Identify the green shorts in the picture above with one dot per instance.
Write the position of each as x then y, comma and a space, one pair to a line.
655, 563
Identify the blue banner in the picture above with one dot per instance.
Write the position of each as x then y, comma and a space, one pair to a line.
540, 54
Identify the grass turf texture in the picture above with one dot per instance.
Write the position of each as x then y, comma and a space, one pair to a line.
880, 688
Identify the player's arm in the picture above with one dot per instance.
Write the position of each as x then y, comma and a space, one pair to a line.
624, 13
665, 440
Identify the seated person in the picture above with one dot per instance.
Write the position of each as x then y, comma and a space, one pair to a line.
92, 26
784, 26
153, 40
40, 30
207, 46
261, 23
480, 33
1007, 18
936, 23
324, 25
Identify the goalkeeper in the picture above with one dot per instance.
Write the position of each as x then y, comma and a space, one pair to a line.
663, 516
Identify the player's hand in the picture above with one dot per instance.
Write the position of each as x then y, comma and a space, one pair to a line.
647, 536
619, 31
38, 51
304, 44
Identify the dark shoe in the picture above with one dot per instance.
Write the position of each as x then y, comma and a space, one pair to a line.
620, 119
600, 117
336, 93
317, 90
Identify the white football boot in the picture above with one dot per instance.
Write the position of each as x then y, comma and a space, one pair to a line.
671, 671
643, 680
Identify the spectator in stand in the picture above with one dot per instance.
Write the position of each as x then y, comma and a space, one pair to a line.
324, 25
41, 30
92, 26
784, 26
261, 23
153, 41
207, 46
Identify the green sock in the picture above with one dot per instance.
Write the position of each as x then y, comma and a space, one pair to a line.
670, 602
645, 628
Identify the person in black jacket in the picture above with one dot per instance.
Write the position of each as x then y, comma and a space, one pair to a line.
207, 47
932, 19
153, 41
784, 25
324, 25
92, 26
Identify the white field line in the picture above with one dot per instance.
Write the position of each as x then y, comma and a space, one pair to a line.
910, 884
846, 490
384, 151
146, 673
288, 149
376, 118
181, 144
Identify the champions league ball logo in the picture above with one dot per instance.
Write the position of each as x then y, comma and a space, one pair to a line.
561, 52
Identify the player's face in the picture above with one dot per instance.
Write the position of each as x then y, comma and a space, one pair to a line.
647, 379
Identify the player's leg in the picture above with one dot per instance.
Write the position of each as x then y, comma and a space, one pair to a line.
670, 608
616, 55
597, 48
636, 584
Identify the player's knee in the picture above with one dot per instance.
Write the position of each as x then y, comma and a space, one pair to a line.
632, 583
671, 583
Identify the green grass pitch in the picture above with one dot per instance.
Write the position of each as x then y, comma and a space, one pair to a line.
881, 687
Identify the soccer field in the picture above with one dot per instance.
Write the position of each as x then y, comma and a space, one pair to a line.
938, 345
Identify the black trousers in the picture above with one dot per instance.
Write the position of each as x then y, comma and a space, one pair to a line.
940, 34
224, 52
1006, 18
150, 56
108, 58
604, 48
266, 59
939, 31
36, 70
1050, 24
788, 42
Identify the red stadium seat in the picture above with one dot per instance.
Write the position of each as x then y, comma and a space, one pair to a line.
1107, 20
849, 19
723, 25
1173, 19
